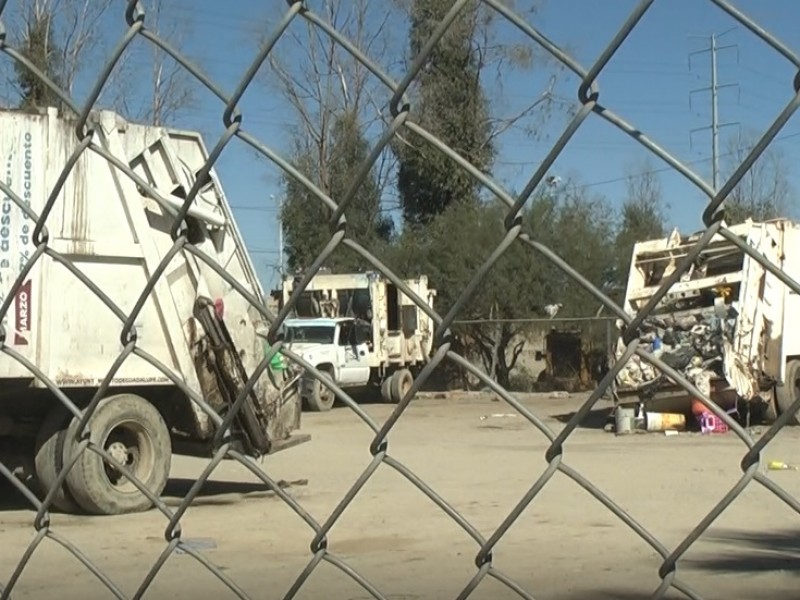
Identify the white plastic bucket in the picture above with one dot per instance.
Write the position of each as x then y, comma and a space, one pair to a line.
624, 420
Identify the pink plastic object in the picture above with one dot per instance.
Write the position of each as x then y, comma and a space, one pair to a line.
711, 423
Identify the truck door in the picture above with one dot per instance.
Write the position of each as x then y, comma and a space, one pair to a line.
354, 352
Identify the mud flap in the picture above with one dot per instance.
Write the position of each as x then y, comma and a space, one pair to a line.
250, 424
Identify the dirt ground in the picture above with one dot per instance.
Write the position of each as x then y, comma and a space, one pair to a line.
565, 546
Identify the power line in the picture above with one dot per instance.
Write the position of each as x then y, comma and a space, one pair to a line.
619, 179
256, 208
262, 251
688, 162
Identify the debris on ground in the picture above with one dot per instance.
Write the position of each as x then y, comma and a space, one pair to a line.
708, 421
711, 423
777, 465
283, 484
633, 419
636, 419
559, 395
664, 421
498, 415
502, 421
196, 544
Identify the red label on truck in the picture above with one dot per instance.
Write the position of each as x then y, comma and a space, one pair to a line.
22, 314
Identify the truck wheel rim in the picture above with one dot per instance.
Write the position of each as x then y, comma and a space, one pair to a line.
405, 386
326, 395
129, 444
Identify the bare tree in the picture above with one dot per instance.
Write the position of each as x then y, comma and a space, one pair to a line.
764, 192
644, 189
337, 105
320, 80
81, 33
65, 39
642, 217
59, 37
156, 95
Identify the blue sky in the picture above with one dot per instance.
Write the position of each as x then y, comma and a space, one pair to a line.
648, 82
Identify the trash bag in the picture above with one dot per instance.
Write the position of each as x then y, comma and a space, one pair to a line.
680, 358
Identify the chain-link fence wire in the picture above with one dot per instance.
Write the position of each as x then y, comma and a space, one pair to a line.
402, 119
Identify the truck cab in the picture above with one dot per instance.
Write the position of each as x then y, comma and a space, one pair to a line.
340, 348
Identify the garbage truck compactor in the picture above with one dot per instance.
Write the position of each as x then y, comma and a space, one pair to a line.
197, 339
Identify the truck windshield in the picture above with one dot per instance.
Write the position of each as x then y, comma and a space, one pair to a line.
310, 334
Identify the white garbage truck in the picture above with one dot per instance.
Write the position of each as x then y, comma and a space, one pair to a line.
727, 325
197, 337
360, 331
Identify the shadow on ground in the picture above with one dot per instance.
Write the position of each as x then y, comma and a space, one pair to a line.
751, 552
612, 594
672, 594
212, 493
597, 418
222, 492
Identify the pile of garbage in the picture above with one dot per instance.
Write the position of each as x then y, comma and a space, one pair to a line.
695, 346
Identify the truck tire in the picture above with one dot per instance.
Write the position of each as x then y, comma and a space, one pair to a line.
48, 458
321, 398
134, 433
786, 394
386, 390
402, 381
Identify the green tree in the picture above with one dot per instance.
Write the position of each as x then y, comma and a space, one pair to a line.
581, 231
39, 47
63, 39
451, 105
306, 220
452, 247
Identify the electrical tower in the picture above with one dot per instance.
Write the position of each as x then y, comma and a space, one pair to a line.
714, 88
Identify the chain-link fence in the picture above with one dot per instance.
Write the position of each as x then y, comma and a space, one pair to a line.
402, 119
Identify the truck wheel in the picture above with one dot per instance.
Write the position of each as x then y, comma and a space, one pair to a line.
401, 383
321, 398
786, 394
134, 433
386, 390
49, 458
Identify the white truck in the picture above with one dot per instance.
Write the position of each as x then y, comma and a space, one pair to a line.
359, 330
727, 325
201, 330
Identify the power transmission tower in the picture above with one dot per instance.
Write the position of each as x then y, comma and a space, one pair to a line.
714, 88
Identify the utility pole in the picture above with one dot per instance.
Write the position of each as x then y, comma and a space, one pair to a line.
714, 88
280, 245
